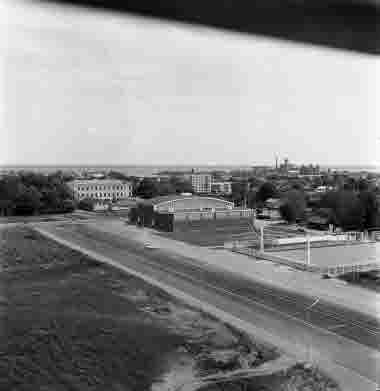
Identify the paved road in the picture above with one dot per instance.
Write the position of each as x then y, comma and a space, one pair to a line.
348, 338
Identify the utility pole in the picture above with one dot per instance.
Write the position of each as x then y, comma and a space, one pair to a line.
308, 250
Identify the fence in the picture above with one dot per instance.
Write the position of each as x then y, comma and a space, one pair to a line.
332, 271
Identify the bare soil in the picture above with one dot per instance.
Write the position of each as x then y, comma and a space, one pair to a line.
296, 378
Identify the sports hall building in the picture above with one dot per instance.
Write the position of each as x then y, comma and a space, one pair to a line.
168, 212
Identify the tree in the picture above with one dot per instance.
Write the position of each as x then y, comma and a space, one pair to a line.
347, 208
251, 199
254, 181
117, 175
133, 214
288, 212
239, 192
6, 207
86, 204
147, 188
350, 184
28, 201
370, 206
294, 205
165, 188
68, 206
51, 200
28, 193
363, 184
298, 185
267, 190
181, 185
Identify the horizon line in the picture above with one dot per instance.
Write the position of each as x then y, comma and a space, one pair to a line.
180, 165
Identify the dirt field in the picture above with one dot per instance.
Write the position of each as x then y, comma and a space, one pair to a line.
68, 323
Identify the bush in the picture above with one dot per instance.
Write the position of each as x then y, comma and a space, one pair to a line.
86, 204
68, 206
267, 190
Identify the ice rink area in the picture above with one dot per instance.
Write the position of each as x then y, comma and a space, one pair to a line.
350, 254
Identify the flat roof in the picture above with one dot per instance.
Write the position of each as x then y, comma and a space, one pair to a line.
330, 256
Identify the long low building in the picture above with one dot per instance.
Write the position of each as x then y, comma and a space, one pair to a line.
101, 189
164, 212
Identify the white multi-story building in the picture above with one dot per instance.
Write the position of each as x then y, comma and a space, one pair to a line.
101, 189
201, 183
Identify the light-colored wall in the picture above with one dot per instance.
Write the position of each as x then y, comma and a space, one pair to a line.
201, 183
101, 190
194, 204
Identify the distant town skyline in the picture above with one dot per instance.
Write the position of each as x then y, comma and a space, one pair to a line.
90, 88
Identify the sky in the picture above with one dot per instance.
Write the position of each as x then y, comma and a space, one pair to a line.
85, 87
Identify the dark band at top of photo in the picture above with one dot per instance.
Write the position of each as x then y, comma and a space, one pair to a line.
342, 24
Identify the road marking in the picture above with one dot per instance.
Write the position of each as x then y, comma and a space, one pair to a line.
312, 305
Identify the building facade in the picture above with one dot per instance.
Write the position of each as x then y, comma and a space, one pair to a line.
101, 189
201, 183
169, 213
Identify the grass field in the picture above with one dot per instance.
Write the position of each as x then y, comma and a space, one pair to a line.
69, 323
65, 325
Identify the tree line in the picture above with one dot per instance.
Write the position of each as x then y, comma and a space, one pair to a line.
348, 209
28, 193
149, 188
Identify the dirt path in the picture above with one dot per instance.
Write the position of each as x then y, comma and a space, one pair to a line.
281, 364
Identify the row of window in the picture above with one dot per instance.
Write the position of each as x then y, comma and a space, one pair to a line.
101, 187
103, 195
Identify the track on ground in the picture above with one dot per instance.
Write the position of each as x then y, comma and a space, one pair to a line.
339, 320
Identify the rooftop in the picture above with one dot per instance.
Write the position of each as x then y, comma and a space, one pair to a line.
173, 197
96, 182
